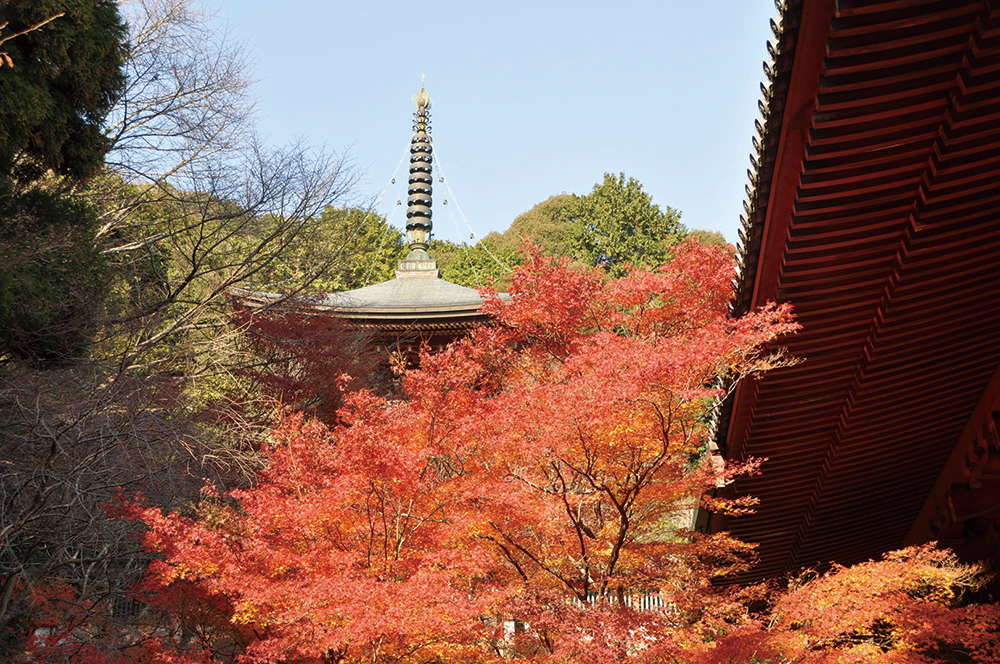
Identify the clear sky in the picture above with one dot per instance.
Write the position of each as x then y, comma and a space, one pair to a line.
530, 99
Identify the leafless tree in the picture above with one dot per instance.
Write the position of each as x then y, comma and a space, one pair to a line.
71, 439
187, 104
189, 184
191, 204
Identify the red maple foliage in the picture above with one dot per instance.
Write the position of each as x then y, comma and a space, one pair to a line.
529, 499
298, 358
909, 607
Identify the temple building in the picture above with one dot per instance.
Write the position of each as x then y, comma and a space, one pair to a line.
873, 208
417, 308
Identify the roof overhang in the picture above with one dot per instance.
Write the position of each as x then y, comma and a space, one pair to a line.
372, 315
874, 208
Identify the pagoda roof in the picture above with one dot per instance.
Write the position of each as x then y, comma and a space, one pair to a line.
415, 295
412, 294
417, 298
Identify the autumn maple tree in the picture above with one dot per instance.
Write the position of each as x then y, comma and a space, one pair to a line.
530, 496
530, 499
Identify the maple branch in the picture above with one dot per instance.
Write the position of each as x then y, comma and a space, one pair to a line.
578, 526
508, 555
385, 526
609, 569
370, 543
535, 559
428, 518
666, 424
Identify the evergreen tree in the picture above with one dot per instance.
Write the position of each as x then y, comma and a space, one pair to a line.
548, 224
52, 278
64, 79
617, 224
60, 82
360, 246
481, 264
708, 237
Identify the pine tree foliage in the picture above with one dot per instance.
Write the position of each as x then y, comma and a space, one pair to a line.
64, 79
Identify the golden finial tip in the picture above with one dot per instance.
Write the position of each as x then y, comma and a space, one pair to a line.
422, 99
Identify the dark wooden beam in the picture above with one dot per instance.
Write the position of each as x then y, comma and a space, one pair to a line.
980, 426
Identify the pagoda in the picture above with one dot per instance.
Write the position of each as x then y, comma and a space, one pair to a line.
417, 308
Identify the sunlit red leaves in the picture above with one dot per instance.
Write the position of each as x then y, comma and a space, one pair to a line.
545, 462
908, 607
343, 545
541, 464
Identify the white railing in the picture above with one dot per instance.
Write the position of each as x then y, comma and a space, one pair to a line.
649, 601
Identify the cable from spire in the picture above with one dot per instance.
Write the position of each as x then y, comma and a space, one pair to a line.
451, 193
392, 181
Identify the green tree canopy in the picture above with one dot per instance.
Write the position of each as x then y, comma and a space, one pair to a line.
52, 277
708, 237
482, 264
63, 83
360, 247
549, 225
617, 224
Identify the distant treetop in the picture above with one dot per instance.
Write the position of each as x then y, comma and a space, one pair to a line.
617, 224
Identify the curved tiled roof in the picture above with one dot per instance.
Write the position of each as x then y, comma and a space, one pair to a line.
418, 300
408, 296
417, 296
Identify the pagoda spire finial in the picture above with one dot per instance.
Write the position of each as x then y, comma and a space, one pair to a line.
418, 201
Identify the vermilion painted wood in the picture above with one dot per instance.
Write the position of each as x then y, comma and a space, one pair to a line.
876, 215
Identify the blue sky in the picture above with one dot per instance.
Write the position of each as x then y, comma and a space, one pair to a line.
530, 99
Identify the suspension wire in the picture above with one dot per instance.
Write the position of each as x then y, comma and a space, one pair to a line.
392, 179
389, 217
451, 213
451, 193
465, 247
381, 243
